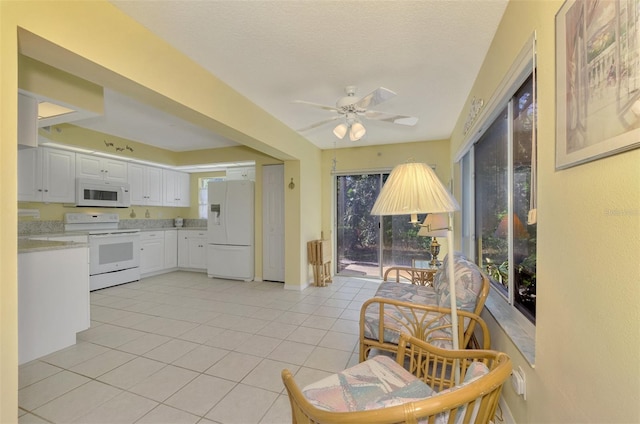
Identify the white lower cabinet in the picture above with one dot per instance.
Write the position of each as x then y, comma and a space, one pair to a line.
170, 249
165, 250
192, 249
151, 252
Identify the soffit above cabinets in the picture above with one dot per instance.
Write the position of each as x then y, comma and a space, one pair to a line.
73, 98
53, 112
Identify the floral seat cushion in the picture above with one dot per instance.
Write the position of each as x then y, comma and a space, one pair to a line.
381, 383
375, 383
407, 292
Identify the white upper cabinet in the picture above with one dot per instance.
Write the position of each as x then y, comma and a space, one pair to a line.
88, 166
46, 175
145, 184
248, 173
176, 188
184, 189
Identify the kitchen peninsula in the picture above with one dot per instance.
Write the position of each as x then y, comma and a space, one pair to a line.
53, 295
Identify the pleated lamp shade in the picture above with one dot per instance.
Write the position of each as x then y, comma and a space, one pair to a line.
434, 225
413, 188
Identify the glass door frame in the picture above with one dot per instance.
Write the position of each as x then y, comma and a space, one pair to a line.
382, 174
334, 218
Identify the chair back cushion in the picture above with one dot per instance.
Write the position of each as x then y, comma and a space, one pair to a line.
468, 278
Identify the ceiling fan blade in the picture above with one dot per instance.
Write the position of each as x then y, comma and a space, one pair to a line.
317, 124
318, 105
375, 97
387, 117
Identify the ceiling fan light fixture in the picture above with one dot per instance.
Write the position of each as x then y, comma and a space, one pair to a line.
340, 131
357, 131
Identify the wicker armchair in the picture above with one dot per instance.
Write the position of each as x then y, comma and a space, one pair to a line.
423, 311
382, 321
425, 393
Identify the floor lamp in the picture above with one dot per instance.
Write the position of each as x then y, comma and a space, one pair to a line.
411, 189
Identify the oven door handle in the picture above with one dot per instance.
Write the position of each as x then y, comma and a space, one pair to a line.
113, 235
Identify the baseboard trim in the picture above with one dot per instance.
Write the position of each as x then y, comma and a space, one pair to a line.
288, 286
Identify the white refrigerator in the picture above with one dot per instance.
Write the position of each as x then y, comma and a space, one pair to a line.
230, 227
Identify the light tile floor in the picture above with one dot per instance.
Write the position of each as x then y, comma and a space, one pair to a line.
184, 348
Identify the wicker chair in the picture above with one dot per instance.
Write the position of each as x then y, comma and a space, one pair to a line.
430, 323
427, 393
413, 309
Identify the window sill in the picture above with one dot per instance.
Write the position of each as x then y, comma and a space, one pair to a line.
519, 329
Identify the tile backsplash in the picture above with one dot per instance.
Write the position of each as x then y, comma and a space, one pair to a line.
27, 228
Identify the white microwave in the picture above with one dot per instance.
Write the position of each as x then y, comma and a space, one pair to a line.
103, 194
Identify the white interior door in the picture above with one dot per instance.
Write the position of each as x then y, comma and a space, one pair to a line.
273, 222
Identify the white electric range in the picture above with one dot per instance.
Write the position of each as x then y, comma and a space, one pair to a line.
114, 254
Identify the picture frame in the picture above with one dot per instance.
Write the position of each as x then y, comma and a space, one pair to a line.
597, 80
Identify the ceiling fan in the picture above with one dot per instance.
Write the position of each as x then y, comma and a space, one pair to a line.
351, 109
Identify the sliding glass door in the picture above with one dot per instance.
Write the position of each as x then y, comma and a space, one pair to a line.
367, 245
357, 231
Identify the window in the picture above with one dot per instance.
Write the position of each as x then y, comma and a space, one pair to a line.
203, 194
503, 227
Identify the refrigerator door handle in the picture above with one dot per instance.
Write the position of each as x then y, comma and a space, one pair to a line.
215, 210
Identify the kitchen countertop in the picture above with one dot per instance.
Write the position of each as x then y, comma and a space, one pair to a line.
30, 243
26, 245
174, 228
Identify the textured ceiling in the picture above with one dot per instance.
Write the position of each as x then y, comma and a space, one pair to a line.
273, 52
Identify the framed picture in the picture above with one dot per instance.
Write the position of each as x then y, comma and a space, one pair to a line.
597, 79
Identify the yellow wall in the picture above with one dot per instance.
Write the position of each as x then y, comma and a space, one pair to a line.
96, 42
587, 352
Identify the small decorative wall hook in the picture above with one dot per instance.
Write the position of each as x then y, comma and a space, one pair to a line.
292, 185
